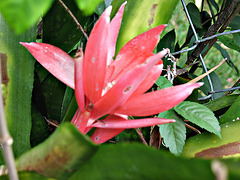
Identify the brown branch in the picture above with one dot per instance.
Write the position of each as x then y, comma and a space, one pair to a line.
222, 19
140, 135
74, 18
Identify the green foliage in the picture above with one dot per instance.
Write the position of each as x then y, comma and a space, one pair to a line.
60, 155
20, 69
136, 22
173, 134
194, 14
88, 6
199, 115
135, 161
21, 15
233, 112
202, 142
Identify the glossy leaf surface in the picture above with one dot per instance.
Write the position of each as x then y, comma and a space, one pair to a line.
199, 115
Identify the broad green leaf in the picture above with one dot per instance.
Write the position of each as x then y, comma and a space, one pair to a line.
20, 69
60, 155
88, 6
233, 113
21, 15
199, 115
140, 16
229, 41
64, 33
210, 146
137, 161
173, 134
163, 82
221, 103
226, 55
217, 85
194, 14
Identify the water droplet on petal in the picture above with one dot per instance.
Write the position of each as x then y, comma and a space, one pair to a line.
97, 87
143, 47
45, 50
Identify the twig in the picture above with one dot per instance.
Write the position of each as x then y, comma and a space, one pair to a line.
192, 128
222, 18
6, 140
235, 84
140, 135
74, 18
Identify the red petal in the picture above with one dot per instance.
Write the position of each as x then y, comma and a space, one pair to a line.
95, 59
79, 92
114, 30
129, 124
102, 135
149, 80
125, 87
136, 50
157, 101
55, 60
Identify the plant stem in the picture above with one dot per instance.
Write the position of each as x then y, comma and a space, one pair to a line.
140, 135
6, 140
74, 18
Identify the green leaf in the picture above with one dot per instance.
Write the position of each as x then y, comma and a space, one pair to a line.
235, 22
88, 6
232, 113
167, 41
163, 82
215, 5
199, 115
229, 41
21, 15
222, 102
140, 16
60, 155
217, 85
40, 130
210, 146
173, 134
64, 34
194, 14
136, 161
20, 68
226, 55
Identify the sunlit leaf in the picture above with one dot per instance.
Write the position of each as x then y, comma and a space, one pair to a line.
21, 15
88, 6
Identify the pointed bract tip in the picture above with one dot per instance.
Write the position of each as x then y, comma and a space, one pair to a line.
200, 83
108, 10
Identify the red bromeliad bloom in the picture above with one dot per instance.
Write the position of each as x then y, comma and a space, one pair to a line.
114, 88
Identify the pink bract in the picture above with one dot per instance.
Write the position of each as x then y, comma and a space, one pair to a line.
115, 88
